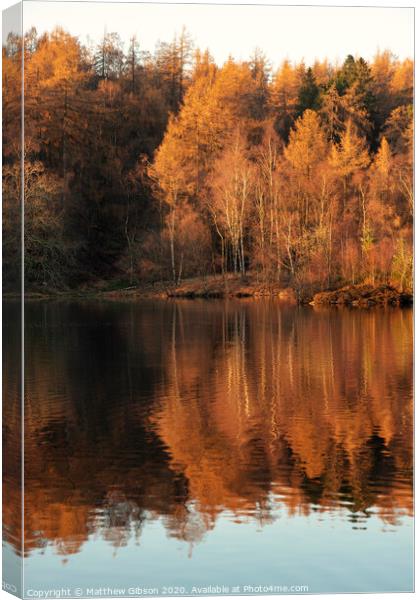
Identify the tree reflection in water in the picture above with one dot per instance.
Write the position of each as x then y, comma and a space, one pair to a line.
184, 410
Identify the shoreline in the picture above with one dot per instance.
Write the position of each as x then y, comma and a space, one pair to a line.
356, 295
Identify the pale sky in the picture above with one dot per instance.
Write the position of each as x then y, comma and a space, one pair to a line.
294, 32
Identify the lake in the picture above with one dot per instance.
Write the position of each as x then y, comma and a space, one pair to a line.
183, 445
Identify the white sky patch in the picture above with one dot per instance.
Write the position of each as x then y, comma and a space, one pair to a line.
293, 32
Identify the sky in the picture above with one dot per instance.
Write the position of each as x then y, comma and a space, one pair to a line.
293, 32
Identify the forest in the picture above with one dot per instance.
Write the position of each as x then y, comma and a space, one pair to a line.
156, 167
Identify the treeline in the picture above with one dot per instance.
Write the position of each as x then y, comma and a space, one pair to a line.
141, 167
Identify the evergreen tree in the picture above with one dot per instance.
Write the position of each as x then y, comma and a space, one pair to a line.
308, 96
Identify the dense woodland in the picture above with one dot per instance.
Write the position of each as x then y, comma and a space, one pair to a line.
147, 167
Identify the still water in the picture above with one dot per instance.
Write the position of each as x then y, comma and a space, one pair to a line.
198, 443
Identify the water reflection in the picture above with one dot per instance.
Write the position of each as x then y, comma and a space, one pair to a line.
184, 411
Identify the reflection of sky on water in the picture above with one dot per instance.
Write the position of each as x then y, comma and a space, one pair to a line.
325, 553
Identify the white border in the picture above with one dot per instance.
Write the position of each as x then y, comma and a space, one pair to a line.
384, 3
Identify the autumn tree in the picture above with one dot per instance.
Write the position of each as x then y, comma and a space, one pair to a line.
284, 97
349, 156
164, 165
229, 206
260, 72
109, 56
265, 219
173, 61
310, 192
